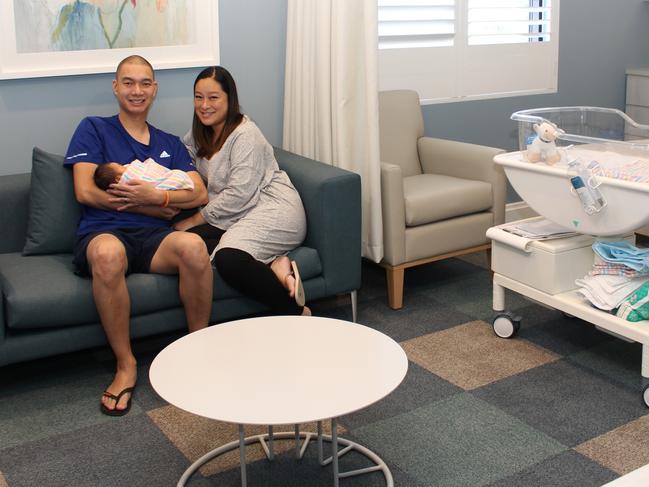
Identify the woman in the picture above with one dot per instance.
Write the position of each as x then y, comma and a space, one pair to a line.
254, 216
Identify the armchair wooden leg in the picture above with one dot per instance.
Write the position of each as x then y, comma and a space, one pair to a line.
395, 287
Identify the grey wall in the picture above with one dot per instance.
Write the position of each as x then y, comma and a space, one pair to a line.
599, 39
45, 111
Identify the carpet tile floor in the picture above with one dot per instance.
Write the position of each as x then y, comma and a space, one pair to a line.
622, 449
467, 356
558, 405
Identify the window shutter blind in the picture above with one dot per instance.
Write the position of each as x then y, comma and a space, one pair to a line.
455, 50
508, 21
416, 23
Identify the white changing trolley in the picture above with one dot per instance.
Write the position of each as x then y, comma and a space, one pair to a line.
526, 279
590, 133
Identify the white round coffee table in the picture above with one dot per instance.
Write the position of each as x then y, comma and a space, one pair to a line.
280, 370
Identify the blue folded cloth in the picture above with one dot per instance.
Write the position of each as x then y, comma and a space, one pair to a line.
622, 252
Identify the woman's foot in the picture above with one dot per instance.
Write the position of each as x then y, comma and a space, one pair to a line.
288, 274
281, 266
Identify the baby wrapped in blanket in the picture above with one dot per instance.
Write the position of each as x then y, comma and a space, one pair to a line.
149, 171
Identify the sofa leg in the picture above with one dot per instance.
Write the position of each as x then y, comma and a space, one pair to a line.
395, 287
354, 296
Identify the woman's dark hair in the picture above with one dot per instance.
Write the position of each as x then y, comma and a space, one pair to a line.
204, 137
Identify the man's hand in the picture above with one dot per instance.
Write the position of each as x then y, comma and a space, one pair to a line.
135, 193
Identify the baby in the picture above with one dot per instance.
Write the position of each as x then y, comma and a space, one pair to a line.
149, 171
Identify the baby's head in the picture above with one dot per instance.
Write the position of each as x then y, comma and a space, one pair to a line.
107, 174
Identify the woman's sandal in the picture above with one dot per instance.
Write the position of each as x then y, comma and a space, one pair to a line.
300, 298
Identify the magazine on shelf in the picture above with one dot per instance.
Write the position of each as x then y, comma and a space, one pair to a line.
538, 229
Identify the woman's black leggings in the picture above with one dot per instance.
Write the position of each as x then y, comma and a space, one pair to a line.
248, 275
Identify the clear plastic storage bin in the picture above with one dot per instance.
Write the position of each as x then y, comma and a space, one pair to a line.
584, 125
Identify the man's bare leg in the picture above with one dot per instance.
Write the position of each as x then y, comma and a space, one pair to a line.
107, 261
185, 254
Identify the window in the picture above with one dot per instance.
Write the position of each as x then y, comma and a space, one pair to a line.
454, 50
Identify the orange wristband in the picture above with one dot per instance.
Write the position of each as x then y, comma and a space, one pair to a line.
165, 203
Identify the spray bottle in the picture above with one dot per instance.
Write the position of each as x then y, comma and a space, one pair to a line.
585, 186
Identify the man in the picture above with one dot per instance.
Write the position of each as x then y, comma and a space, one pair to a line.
126, 228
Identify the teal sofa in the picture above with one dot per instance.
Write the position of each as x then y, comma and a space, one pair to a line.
46, 309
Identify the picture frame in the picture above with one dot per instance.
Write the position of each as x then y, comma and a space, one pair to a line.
200, 47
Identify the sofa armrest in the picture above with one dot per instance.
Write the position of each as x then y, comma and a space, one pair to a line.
393, 206
332, 201
14, 198
468, 161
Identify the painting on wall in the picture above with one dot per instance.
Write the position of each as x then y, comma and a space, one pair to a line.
63, 37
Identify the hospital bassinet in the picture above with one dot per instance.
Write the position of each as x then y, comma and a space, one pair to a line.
590, 134
619, 174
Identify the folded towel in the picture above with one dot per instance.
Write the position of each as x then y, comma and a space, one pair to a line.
601, 267
623, 252
611, 269
636, 306
607, 292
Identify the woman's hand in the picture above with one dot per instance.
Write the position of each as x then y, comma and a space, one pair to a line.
156, 211
168, 213
191, 222
135, 193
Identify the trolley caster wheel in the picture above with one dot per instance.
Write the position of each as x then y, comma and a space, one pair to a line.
505, 325
645, 395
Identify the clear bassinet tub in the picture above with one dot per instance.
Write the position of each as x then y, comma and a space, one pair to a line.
600, 185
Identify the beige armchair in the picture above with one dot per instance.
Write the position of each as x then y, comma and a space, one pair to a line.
439, 196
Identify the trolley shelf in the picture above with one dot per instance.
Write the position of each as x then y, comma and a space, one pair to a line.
573, 303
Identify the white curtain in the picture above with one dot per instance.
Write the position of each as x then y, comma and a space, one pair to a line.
331, 96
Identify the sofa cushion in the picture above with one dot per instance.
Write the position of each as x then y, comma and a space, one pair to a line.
43, 291
433, 197
53, 210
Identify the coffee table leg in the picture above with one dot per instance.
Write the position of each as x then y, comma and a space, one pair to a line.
320, 455
242, 455
271, 454
379, 464
334, 450
296, 429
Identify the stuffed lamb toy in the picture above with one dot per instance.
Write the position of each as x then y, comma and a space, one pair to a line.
543, 148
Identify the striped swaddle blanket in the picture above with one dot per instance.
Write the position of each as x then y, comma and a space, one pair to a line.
637, 171
163, 177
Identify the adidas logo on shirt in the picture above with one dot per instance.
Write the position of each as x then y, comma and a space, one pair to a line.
164, 154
